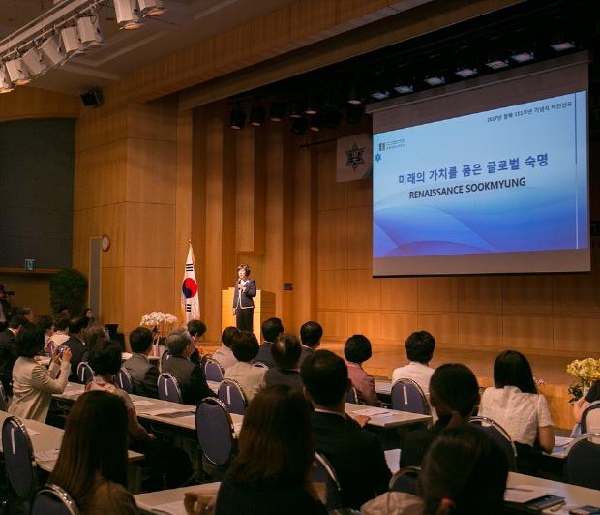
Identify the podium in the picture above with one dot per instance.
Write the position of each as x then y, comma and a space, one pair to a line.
264, 307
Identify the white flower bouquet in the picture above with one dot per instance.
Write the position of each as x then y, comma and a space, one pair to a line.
158, 322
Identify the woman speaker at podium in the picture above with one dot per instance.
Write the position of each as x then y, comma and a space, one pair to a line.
243, 299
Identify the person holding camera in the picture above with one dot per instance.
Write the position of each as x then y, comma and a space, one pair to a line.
33, 384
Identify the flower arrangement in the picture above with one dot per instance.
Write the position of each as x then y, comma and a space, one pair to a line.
159, 323
586, 371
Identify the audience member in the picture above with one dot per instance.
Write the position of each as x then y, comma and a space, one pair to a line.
76, 344
33, 384
197, 329
311, 333
5, 309
88, 314
25, 311
7, 351
592, 395
46, 324
92, 335
286, 354
514, 403
419, 346
224, 354
168, 462
250, 378
271, 473
355, 454
463, 473
189, 375
144, 375
60, 335
271, 328
454, 395
92, 464
357, 350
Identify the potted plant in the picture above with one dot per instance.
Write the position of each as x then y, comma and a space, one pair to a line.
68, 289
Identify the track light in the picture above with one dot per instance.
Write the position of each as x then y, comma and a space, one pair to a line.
88, 29
299, 126
53, 52
34, 62
257, 115
151, 7
277, 112
70, 40
6, 84
237, 118
316, 122
126, 14
17, 72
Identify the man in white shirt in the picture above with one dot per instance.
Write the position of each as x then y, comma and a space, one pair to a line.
419, 351
224, 354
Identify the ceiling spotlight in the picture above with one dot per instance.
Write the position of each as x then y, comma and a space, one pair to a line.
126, 14
381, 94
404, 88
34, 61
523, 57
88, 29
296, 110
435, 80
277, 112
6, 84
316, 122
257, 115
561, 46
70, 40
466, 72
299, 126
353, 96
497, 64
17, 72
53, 52
237, 118
151, 7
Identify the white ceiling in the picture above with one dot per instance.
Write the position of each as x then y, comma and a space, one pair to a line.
185, 22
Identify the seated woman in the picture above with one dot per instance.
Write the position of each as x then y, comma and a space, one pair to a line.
33, 384
92, 464
515, 404
245, 348
270, 474
356, 351
168, 462
454, 394
592, 395
464, 473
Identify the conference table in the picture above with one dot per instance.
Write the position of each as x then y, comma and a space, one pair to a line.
46, 441
170, 502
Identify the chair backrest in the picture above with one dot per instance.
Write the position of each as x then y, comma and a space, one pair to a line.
501, 436
164, 358
407, 395
168, 388
3, 399
323, 472
19, 458
352, 396
590, 418
123, 379
405, 480
233, 396
213, 370
53, 500
84, 372
260, 364
583, 461
214, 430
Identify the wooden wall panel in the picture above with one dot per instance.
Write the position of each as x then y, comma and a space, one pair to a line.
332, 194
335, 325
399, 294
443, 326
149, 230
578, 293
577, 336
480, 330
332, 237
150, 177
395, 327
438, 294
480, 294
30, 102
366, 322
360, 238
332, 290
112, 308
527, 294
528, 332
364, 294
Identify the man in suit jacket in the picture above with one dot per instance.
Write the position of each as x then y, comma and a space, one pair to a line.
77, 345
7, 352
311, 333
271, 328
355, 454
144, 375
189, 375
286, 353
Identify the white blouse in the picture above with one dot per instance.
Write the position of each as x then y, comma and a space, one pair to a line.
520, 414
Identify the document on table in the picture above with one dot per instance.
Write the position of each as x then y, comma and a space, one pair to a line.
143, 403
170, 508
47, 455
372, 411
525, 493
562, 441
392, 458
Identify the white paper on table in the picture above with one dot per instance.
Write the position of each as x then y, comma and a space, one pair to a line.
164, 411
525, 493
562, 441
31, 432
392, 458
143, 403
237, 427
371, 411
47, 455
170, 508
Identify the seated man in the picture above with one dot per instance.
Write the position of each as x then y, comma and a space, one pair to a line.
355, 453
311, 333
419, 351
224, 354
286, 353
189, 375
250, 378
271, 328
144, 375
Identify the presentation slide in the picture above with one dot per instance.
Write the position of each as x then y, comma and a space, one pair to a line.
500, 191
